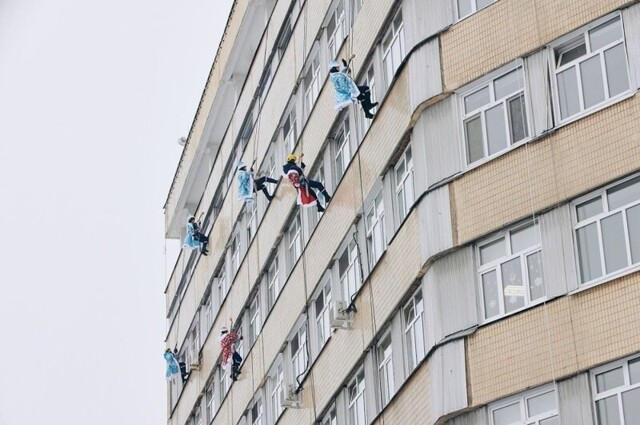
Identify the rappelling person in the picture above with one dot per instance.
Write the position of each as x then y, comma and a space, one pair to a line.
229, 354
173, 367
181, 365
307, 197
259, 185
347, 91
195, 238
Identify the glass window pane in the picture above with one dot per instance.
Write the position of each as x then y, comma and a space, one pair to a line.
592, 84
464, 8
624, 194
574, 50
613, 241
616, 65
496, 129
634, 372
476, 100
484, 3
508, 415
508, 84
589, 252
490, 294
610, 379
568, 93
551, 421
536, 283
605, 34
513, 285
541, 403
607, 411
524, 238
492, 251
589, 209
518, 119
473, 134
631, 405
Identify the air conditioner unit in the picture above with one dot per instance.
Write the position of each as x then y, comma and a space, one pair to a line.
339, 316
291, 397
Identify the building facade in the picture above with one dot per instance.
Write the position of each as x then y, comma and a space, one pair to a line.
479, 261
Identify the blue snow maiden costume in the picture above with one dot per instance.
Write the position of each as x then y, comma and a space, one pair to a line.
190, 242
245, 184
345, 89
172, 364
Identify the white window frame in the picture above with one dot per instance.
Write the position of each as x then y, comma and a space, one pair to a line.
314, 214
474, 8
342, 147
222, 287
273, 283
496, 265
276, 389
323, 326
488, 82
394, 53
224, 380
234, 253
252, 221
350, 279
614, 392
331, 418
335, 39
415, 348
312, 83
386, 377
255, 319
375, 229
356, 396
571, 37
208, 313
602, 194
522, 399
210, 398
294, 240
299, 357
404, 192
290, 137
257, 419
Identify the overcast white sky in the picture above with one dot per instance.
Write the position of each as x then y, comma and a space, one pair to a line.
93, 95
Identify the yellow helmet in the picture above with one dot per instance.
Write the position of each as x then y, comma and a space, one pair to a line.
291, 157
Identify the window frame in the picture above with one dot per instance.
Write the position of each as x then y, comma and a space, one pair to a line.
602, 194
399, 186
353, 260
397, 34
255, 319
480, 84
522, 399
276, 388
210, 401
273, 282
340, 25
321, 318
411, 328
370, 229
341, 145
555, 70
384, 367
300, 358
474, 9
313, 86
627, 386
294, 241
496, 265
361, 393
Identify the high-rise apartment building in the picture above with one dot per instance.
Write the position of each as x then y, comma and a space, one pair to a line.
479, 261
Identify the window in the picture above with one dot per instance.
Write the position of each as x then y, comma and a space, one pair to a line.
197, 416
255, 321
495, 116
277, 393
311, 85
616, 392
314, 214
256, 412
224, 382
356, 410
414, 330
467, 7
510, 273
273, 283
404, 192
235, 254
252, 221
294, 240
349, 271
322, 305
208, 313
221, 285
290, 131
536, 407
362, 122
298, 346
342, 148
376, 234
211, 402
393, 47
385, 369
193, 352
357, 5
591, 68
336, 29
330, 418
608, 231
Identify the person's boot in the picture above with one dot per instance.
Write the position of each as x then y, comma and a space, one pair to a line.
326, 196
320, 207
269, 197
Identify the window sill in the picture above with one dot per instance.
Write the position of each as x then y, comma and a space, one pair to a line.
620, 98
515, 312
605, 279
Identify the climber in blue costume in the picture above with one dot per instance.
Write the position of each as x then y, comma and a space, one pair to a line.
259, 185
173, 368
347, 91
195, 238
